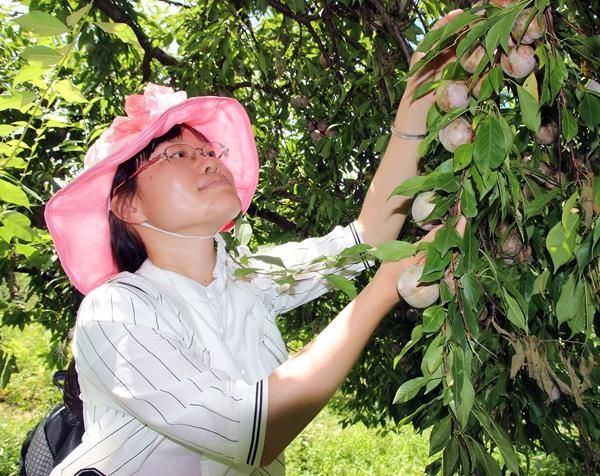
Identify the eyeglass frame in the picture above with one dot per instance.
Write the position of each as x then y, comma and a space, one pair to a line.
163, 155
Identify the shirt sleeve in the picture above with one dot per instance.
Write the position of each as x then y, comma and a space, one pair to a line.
311, 283
147, 372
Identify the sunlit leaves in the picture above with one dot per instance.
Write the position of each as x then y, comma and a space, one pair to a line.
12, 194
41, 23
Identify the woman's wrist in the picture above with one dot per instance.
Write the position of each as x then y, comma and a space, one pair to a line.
411, 115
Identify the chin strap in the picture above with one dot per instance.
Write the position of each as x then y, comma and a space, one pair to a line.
176, 235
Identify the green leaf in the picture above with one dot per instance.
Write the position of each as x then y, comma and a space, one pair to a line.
432, 359
440, 435
8, 366
16, 100
42, 54
435, 265
122, 31
12, 194
33, 72
567, 212
463, 156
77, 15
514, 312
394, 250
468, 202
17, 225
433, 318
556, 74
343, 284
409, 389
411, 186
443, 33
241, 272
489, 149
568, 125
450, 457
69, 91
484, 459
274, 260
499, 436
560, 243
415, 336
500, 31
446, 239
530, 109
571, 300
448, 182
41, 24
540, 283
242, 232
469, 259
589, 108
539, 204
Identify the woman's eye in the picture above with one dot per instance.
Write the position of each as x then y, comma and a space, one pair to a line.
180, 154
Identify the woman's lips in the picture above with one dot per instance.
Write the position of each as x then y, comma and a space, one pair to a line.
217, 181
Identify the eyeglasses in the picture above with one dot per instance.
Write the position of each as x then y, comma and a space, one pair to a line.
180, 154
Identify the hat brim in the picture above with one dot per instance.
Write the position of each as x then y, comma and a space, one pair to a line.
77, 215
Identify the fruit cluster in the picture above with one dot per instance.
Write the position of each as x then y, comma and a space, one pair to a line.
452, 95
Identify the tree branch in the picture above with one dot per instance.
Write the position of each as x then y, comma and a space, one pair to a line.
275, 218
394, 30
116, 14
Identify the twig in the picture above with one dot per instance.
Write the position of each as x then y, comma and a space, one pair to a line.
115, 13
394, 30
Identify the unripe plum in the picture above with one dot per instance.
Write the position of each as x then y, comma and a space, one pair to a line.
452, 94
299, 102
324, 60
535, 30
547, 133
414, 293
519, 62
422, 206
470, 61
510, 244
456, 133
330, 132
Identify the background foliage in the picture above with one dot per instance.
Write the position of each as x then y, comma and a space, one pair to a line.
502, 367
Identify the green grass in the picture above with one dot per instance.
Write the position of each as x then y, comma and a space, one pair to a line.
29, 394
324, 448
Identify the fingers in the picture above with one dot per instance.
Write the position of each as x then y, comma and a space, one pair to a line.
445, 20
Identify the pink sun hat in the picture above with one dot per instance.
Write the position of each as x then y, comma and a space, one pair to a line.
77, 215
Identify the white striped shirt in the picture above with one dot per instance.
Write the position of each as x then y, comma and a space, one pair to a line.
173, 374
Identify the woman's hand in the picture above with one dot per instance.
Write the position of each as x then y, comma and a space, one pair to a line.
386, 278
411, 113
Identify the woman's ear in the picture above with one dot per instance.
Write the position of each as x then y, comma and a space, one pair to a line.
127, 209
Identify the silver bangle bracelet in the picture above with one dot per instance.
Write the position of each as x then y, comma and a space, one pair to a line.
404, 135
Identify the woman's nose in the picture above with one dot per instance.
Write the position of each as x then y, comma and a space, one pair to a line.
208, 164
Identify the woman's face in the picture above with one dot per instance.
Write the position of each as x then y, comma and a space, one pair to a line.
187, 196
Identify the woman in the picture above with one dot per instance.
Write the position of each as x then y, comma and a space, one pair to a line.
181, 366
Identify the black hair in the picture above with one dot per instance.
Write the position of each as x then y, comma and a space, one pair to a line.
128, 249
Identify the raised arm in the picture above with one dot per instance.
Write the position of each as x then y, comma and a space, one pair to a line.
381, 219
300, 387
